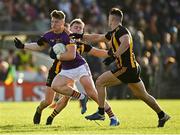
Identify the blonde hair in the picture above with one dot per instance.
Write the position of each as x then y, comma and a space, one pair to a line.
58, 14
78, 21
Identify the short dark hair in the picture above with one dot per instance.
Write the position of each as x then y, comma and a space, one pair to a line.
58, 14
116, 12
78, 21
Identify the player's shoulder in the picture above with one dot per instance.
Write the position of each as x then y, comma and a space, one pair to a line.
49, 32
52, 32
121, 30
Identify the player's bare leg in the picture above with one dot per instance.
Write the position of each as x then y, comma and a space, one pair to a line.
57, 96
60, 105
49, 95
64, 85
88, 84
140, 92
106, 79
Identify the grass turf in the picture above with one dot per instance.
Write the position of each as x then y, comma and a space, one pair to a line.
134, 115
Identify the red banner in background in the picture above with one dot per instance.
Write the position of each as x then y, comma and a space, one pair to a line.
27, 91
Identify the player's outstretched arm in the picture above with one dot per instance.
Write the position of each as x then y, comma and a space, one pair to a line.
34, 46
98, 52
30, 46
94, 38
89, 37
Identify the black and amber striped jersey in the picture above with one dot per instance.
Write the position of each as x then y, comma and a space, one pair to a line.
53, 71
83, 47
127, 59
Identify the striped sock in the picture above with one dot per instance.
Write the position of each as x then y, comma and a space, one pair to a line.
77, 95
54, 113
109, 112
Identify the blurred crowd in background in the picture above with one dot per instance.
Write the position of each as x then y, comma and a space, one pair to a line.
154, 25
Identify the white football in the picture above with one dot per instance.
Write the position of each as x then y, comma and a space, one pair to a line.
59, 48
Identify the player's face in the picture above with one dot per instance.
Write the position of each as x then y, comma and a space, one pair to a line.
77, 28
57, 24
111, 21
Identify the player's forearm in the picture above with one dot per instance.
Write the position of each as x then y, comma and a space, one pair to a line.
93, 38
99, 53
33, 47
67, 56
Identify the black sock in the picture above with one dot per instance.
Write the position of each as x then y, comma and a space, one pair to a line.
161, 114
101, 111
38, 110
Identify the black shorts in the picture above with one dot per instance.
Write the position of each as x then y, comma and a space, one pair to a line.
127, 75
53, 71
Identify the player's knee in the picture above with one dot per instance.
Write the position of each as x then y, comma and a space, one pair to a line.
56, 87
64, 88
99, 82
91, 94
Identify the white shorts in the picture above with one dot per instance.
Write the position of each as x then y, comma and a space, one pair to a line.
76, 73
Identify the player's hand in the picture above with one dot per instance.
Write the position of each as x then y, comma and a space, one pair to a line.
76, 35
109, 60
110, 52
18, 43
52, 54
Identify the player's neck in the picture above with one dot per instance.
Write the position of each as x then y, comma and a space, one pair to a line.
59, 31
115, 26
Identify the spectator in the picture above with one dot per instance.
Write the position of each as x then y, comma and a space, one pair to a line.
42, 72
176, 44
25, 61
168, 57
146, 72
3, 70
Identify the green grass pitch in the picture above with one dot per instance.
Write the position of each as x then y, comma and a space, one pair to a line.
134, 115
